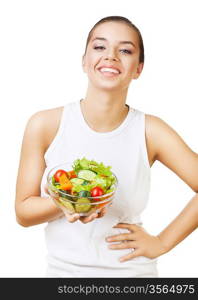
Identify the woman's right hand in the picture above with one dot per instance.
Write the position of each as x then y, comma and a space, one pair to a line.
85, 219
75, 217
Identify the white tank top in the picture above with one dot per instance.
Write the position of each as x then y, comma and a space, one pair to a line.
80, 250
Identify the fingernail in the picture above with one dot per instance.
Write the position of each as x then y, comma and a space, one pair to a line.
121, 259
115, 225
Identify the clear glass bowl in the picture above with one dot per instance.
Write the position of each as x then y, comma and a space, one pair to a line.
74, 204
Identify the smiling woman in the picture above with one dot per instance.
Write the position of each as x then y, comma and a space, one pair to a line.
121, 48
125, 21
101, 126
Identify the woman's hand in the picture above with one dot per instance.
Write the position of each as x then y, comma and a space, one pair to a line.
86, 219
75, 217
142, 243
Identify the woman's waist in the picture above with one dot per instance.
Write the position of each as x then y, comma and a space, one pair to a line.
86, 266
62, 230
79, 246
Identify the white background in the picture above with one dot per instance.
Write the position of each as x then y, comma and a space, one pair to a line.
42, 43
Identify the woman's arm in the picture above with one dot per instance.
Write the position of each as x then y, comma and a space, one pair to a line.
154, 246
173, 152
185, 223
169, 148
31, 209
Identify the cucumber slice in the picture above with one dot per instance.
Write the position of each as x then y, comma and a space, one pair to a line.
86, 182
86, 174
67, 205
67, 195
62, 193
82, 205
84, 194
77, 181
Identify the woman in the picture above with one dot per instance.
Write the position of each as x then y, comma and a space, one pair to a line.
104, 128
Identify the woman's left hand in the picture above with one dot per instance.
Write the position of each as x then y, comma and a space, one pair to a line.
137, 239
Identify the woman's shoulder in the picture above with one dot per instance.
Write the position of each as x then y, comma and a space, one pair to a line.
155, 128
156, 125
45, 124
160, 136
46, 119
168, 147
42, 116
152, 121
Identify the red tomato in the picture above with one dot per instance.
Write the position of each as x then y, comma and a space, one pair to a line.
97, 191
58, 174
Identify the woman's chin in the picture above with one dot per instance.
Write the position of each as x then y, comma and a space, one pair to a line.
107, 86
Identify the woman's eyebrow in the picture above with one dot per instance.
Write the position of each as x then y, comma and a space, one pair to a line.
120, 42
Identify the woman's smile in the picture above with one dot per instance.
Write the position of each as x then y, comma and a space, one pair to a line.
112, 57
109, 71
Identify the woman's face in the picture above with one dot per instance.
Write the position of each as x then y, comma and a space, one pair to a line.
112, 57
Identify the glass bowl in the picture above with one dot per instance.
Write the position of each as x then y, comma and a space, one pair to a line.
72, 204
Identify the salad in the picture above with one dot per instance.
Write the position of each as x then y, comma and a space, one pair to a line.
83, 188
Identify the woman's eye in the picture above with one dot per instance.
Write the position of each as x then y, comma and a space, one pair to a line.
99, 47
122, 50
126, 51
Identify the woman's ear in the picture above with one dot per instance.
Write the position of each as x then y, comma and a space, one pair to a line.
83, 63
139, 70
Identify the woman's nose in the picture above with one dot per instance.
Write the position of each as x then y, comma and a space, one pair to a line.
111, 55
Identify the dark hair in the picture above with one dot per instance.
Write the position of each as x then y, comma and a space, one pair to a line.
123, 20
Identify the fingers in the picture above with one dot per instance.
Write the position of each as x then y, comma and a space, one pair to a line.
72, 218
123, 245
93, 216
88, 218
127, 240
46, 189
102, 212
84, 219
75, 217
121, 237
131, 255
131, 227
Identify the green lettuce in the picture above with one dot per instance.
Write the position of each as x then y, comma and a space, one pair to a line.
85, 164
104, 178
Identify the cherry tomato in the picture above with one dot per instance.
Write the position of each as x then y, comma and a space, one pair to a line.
97, 191
58, 174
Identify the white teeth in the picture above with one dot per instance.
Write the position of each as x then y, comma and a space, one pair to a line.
109, 70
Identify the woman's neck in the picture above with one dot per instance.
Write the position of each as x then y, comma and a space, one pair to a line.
103, 110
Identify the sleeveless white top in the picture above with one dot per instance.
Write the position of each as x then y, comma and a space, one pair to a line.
80, 250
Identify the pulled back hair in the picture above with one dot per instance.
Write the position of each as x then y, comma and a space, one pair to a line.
121, 20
